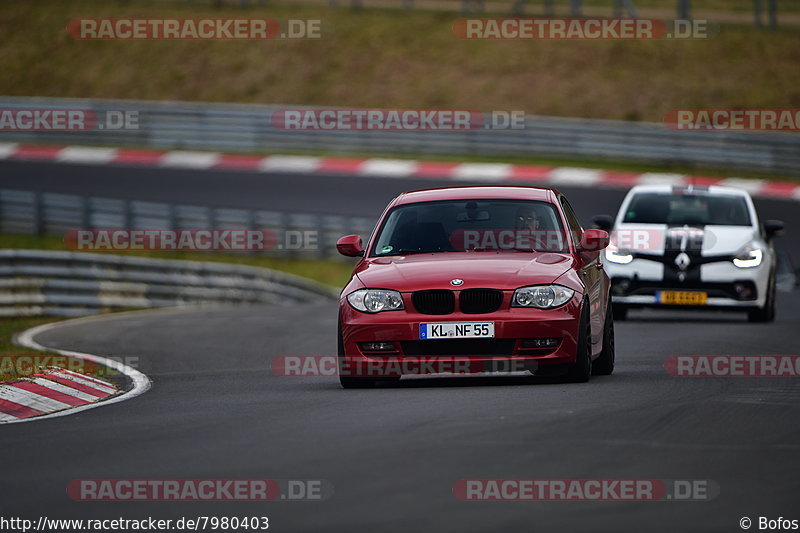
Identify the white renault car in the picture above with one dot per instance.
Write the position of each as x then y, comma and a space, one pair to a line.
691, 247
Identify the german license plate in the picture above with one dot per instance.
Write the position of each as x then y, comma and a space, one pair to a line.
682, 297
457, 330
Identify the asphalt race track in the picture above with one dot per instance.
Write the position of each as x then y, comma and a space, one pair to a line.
393, 454
332, 193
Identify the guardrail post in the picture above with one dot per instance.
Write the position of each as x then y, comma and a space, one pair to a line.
281, 234
172, 218
772, 5
322, 251
684, 10
86, 214
37, 223
468, 5
127, 216
518, 7
626, 5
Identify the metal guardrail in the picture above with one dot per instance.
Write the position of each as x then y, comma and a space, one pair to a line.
57, 283
236, 127
33, 212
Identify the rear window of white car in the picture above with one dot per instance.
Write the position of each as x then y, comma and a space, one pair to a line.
688, 209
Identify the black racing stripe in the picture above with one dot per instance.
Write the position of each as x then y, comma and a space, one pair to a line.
693, 250
686, 240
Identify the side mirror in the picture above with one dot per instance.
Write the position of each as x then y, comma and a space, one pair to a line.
604, 222
773, 228
593, 240
350, 245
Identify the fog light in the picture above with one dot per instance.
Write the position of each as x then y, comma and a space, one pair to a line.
620, 286
378, 346
743, 291
548, 342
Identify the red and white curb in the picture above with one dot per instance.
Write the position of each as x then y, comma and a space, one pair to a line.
387, 168
60, 392
52, 390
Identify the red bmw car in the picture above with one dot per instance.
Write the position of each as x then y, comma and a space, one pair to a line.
474, 279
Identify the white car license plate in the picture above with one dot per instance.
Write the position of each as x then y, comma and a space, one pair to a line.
457, 330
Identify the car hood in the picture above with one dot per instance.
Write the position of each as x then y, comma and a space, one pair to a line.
707, 240
505, 270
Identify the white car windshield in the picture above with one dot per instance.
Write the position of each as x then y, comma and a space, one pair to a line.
687, 209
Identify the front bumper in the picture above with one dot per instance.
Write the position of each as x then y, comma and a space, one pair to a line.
728, 287
507, 351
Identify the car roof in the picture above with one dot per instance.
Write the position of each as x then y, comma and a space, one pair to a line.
690, 189
510, 192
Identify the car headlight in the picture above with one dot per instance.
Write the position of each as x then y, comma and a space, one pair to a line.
620, 257
375, 300
541, 296
748, 257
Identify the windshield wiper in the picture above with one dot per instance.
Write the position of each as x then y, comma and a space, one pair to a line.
407, 251
510, 248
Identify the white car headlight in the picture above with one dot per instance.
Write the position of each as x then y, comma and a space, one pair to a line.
618, 256
748, 257
375, 300
541, 296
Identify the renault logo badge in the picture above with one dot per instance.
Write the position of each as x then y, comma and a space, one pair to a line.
683, 261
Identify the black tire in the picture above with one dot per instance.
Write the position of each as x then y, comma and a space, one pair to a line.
581, 370
604, 364
350, 382
766, 313
620, 311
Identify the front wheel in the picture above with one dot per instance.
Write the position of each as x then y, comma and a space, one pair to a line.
766, 313
581, 370
620, 311
604, 364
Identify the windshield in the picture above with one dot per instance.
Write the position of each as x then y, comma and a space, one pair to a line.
471, 225
688, 209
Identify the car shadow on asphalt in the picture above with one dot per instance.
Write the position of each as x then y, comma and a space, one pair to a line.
414, 382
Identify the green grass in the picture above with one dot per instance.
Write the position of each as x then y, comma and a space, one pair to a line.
11, 326
393, 58
18, 362
8, 327
334, 273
